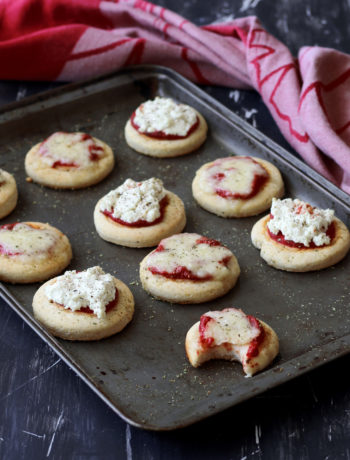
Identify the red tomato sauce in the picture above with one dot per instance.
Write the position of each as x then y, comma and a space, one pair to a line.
254, 345
205, 341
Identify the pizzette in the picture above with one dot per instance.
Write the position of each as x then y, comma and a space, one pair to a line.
237, 186
297, 237
189, 268
139, 214
69, 161
8, 193
85, 306
230, 334
162, 128
32, 251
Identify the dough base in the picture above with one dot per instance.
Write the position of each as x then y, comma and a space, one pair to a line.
66, 177
70, 325
162, 148
300, 260
15, 269
268, 350
174, 221
8, 195
229, 207
187, 291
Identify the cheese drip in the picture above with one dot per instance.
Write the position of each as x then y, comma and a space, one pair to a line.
2, 177
182, 250
234, 175
229, 326
69, 148
23, 240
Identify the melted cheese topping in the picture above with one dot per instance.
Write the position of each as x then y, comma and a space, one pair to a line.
234, 175
69, 148
91, 288
26, 241
230, 326
182, 250
300, 222
134, 201
164, 114
2, 177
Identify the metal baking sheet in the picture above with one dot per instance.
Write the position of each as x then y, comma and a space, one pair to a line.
142, 373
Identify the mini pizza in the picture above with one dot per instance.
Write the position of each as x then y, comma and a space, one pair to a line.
86, 305
139, 214
8, 193
189, 268
163, 128
237, 186
69, 161
298, 237
231, 334
31, 252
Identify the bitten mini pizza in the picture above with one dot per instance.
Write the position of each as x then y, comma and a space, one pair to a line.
231, 334
139, 214
86, 305
8, 193
69, 161
189, 268
163, 128
237, 186
298, 237
31, 252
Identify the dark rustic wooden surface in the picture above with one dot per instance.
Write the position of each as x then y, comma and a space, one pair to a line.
46, 411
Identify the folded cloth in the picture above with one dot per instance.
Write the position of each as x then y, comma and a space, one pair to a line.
308, 97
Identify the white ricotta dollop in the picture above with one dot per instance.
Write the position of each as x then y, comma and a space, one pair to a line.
182, 250
91, 288
230, 326
69, 148
25, 241
134, 201
300, 222
164, 114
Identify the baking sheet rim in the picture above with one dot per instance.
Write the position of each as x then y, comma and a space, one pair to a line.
292, 368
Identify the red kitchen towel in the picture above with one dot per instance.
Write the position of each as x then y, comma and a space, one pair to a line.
70, 40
